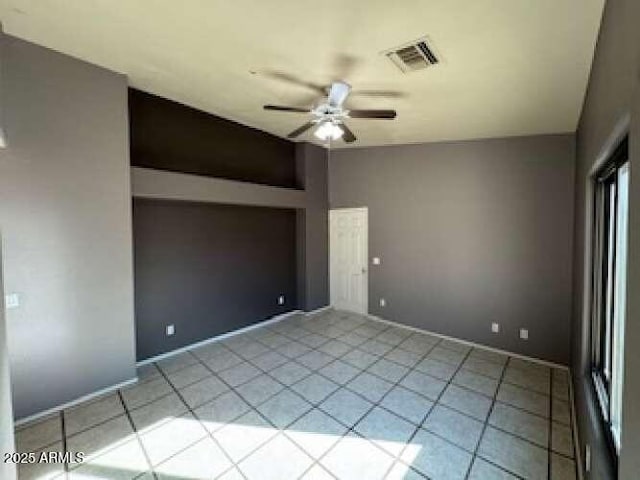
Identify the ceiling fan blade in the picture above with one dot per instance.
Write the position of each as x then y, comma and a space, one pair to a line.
300, 130
347, 134
280, 108
379, 93
379, 114
286, 77
338, 93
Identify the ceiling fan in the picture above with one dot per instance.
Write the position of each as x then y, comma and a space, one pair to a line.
329, 115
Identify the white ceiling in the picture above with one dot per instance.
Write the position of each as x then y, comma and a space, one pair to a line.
511, 67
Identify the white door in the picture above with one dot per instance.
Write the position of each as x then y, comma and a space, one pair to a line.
348, 253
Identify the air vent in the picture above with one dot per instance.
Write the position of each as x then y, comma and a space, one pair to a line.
413, 56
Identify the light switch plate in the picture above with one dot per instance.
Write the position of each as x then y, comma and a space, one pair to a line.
281, 300
171, 329
376, 260
12, 300
495, 327
383, 302
524, 334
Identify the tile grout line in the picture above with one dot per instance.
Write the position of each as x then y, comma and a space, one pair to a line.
138, 439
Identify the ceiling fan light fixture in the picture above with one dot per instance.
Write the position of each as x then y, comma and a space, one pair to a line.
328, 131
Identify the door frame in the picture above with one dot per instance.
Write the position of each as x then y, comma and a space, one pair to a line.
365, 273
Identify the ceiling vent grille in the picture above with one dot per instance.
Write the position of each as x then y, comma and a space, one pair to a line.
413, 56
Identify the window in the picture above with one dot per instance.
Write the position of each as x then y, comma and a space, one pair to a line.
611, 205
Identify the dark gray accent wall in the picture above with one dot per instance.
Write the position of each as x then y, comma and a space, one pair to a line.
167, 135
65, 214
613, 97
208, 269
469, 233
312, 227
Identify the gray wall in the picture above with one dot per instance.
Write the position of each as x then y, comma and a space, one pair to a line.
312, 227
469, 233
65, 212
612, 95
208, 269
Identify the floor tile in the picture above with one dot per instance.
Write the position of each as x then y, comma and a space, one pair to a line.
335, 348
357, 458
476, 382
269, 361
143, 393
293, 349
419, 344
317, 472
202, 461
561, 412
188, 375
360, 359
435, 368
388, 431
390, 371
467, 402
530, 367
353, 339
526, 379
203, 391
403, 357
223, 361
239, 374
391, 337
157, 412
274, 340
284, 408
101, 438
225, 408
147, 372
316, 432
339, 371
513, 454
401, 471
244, 435
251, 350
42, 471
561, 439
375, 347
290, 373
455, 345
489, 356
459, 429
282, 457
369, 386
171, 437
314, 340
483, 367
367, 330
436, 458
259, 389
123, 462
315, 388
446, 355
346, 407
89, 414
483, 470
176, 362
40, 434
524, 399
520, 423
209, 350
232, 474
423, 384
407, 404
562, 468
315, 359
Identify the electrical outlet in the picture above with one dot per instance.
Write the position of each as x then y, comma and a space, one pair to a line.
171, 329
376, 260
495, 327
383, 302
12, 301
524, 334
281, 300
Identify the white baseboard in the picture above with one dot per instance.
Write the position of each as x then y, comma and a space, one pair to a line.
218, 338
318, 310
471, 344
73, 403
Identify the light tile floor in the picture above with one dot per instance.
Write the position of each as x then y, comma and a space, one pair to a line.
331, 395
